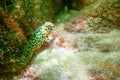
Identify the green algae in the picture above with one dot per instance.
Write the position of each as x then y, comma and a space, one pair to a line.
17, 21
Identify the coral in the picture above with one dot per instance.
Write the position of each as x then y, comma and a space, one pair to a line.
105, 17
103, 42
11, 41
15, 27
14, 55
90, 62
61, 38
56, 39
18, 19
62, 64
76, 26
35, 13
57, 63
82, 3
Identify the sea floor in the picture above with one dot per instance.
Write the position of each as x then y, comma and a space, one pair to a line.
77, 56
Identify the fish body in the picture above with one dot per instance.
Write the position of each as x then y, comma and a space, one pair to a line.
36, 42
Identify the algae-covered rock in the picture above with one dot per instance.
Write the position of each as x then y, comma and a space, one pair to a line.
7, 5
12, 40
18, 20
15, 51
82, 3
103, 42
29, 14
105, 17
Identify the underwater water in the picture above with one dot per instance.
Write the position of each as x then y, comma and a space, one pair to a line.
59, 40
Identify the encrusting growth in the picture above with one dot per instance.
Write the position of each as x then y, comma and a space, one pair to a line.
36, 42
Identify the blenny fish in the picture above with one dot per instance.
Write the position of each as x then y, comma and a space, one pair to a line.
36, 42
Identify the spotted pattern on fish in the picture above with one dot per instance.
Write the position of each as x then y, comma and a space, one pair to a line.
36, 42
